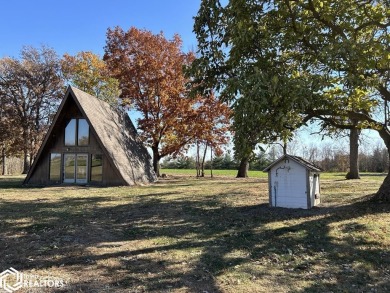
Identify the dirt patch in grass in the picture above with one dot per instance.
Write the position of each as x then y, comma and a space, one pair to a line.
196, 235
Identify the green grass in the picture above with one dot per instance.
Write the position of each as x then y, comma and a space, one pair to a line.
363, 175
261, 174
184, 234
228, 173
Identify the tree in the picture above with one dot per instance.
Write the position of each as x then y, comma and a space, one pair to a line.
332, 56
212, 128
353, 46
10, 131
261, 161
379, 162
246, 136
354, 135
6, 131
261, 84
150, 72
181, 162
353, 172
31, 87
89, 72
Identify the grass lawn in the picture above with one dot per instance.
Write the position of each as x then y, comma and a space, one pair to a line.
261, 174
184, 234
227, 173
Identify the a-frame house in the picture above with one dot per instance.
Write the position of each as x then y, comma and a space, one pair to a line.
90, 143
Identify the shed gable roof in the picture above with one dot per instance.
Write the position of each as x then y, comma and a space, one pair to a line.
308, 165
116, 135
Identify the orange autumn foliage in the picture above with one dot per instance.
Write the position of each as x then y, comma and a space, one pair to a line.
213, 123
89, 72
150, 72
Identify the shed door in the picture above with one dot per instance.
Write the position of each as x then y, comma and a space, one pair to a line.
289, 186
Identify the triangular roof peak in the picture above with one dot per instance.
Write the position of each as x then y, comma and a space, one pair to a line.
115, 134
308, 165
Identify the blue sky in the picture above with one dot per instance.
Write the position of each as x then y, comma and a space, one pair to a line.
73, 26
80, 25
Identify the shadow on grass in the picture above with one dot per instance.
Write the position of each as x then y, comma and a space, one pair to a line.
8, 182
189, 243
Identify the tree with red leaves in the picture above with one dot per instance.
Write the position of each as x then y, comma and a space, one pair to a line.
150, 72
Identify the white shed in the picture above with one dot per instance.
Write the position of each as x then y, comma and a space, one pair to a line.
293, 182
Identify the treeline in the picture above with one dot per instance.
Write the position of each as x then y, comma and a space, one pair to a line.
377, 161
333, 161
11, 166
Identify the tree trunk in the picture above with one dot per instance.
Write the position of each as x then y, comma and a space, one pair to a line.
26, 162
156, 161
3, 159
353, 154
211, 162
243, 168
197, 163
383, 194
203, 159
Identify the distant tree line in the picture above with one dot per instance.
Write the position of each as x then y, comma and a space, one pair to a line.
326, 158
376, 161
329, 160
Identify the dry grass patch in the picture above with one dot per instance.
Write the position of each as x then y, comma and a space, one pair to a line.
190, 235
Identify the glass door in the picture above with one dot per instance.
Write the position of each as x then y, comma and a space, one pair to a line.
69, 168
76, 168
82, 168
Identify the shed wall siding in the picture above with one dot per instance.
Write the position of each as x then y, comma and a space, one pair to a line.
288, 185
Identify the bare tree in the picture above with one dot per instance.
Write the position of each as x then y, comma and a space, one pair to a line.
31, 87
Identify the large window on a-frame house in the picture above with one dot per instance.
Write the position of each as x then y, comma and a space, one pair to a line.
55, 167
75, 164
77, 133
